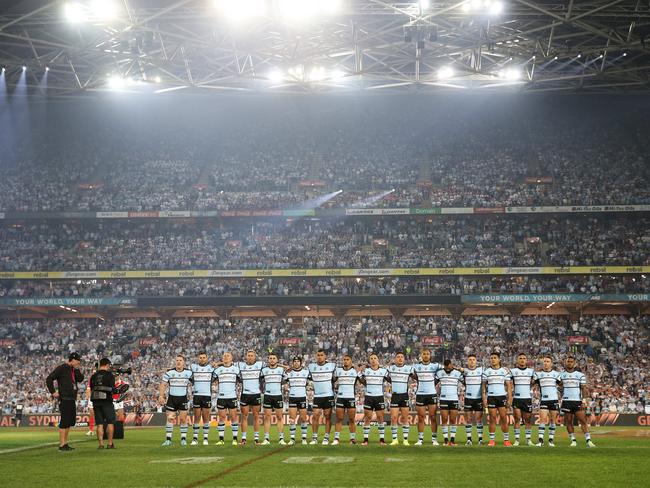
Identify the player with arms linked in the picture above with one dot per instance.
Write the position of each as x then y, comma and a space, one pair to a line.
346, 378
497, 386
297, 377
574, 396
547, 381
202, 398
178, 383
522, 404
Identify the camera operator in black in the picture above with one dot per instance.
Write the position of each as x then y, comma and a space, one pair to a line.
102, 387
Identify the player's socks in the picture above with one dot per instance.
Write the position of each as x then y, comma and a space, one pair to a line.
468, 431
195, 432
206, 431
327, 437
529, 434
517, 433
337, 435
267, 435
184, 432
235, 431
587, 436
541, 430
243, 435
256, 436
169, 430
303, 431
222, 430
479, 429
91, 423
445, 432
292, 431
551, 432
393, 431
492, 436
366, 432
405, 431
353, 436
314, 436
281, 436
382, 429
434, 436
506, 436
453, 433
572, 436
420, 436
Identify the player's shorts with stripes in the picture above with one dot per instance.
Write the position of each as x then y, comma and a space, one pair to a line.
346, 403
374, 403
523, 404
552, 405
497, 401
399, 400
250, 399
324, 403
202, 401
448, 405
273, 401
176, 403
298, 402
425, 400
571, 406
473, 405
223, 403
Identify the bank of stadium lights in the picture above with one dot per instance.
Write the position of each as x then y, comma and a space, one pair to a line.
238, 10
300, 74
445, 73
288, 10
510, 74
91, 11
483, 7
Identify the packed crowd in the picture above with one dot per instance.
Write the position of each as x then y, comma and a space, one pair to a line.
295, 156
202, 287
438, 243
615, 359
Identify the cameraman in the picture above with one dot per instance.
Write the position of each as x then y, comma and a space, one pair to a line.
66, 375
102, 387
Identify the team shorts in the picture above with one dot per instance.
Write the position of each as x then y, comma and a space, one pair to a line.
523, 404
223, 403
571, 406
250, 399
473, 405
273, 401
68, 409
449, 405
552, 405
426, 400
346, 403
176, 403
497, 401
374, 403
298, 402
202, 401
324, 403
104, 413
399, 400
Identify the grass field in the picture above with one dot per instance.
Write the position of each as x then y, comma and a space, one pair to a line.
620, 459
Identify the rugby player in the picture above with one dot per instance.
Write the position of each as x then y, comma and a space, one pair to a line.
373, 378
449, 379
323, 375
346, 378
400, 374
574, 395
497, 386
425, 396
474, 400
272, 376
297, 377
547, 381
251, 395
522, 403
203, 373
178, 383
227, 375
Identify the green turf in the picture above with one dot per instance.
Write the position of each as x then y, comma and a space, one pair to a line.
620, 459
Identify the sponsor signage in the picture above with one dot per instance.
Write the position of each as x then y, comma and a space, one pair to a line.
432, 341
555, 297
578, 340
290, 341
77, 302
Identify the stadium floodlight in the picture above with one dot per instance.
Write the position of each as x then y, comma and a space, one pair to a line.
276, 75
337, 75
317, 73
75, 13
157, 79
330, 7
424, 4
24, 68
116, 82
103, 10
495, 7
510, 74
238, 10
306, 9
445, 73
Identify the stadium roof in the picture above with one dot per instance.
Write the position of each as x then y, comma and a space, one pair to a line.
306, 46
